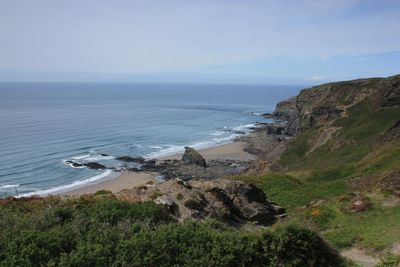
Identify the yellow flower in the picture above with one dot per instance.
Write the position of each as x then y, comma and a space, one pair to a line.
315, 213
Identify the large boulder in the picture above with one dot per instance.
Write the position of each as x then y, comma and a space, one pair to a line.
191, 156
232, 201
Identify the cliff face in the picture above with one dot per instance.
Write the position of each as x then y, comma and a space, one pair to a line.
351, 127
322, 104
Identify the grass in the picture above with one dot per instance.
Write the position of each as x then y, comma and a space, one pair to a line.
291, 193
303, 178
374, 229
357, 137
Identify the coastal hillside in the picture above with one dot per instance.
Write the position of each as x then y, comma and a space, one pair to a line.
323, 190
339, 172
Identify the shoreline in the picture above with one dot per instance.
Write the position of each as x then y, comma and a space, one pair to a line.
128, 179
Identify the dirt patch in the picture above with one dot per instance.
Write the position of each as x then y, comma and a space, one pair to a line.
391, 202
360, 256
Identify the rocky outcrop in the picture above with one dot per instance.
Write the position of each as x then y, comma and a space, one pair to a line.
232, 201
191, 156
393, 133
139, 160
177, 169
288, 112
74, 164
392, 94
94, 165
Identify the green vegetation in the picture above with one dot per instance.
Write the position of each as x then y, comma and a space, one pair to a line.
390, 261
317, 185
374, 228
291, 192
359, 134
103, 231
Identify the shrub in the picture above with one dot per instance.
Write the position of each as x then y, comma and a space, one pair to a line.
108, 232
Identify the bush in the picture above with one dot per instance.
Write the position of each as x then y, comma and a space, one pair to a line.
294, 246
112, 211
108, 232
195, 244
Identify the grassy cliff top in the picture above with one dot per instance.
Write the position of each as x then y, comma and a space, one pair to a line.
345, 147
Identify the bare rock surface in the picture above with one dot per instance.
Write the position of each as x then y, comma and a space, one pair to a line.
191, 156
232, 201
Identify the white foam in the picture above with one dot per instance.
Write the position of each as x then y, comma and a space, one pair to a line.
71, 164
92, 156
244, 127
74, 185
8, 186
157, 147
171, 150
98, 158
81, 157
218, 133
225, 139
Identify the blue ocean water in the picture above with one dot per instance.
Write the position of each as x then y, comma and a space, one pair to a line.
44, 124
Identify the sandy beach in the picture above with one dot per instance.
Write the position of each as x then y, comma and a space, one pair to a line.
123, 181
233, 151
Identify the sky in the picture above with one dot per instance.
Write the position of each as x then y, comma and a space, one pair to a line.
204, 41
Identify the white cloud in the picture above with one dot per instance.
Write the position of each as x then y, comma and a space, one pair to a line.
318, 78
125, 36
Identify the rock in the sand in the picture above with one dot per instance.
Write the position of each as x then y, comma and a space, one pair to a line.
131, 159
95, 166
191, 156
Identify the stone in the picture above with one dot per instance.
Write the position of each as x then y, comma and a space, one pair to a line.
359, 205
95, 166
191, 156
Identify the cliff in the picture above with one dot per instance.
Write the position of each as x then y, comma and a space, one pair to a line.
322, 104
353, 126
339, 170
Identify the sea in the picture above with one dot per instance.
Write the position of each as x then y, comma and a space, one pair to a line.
45, 125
